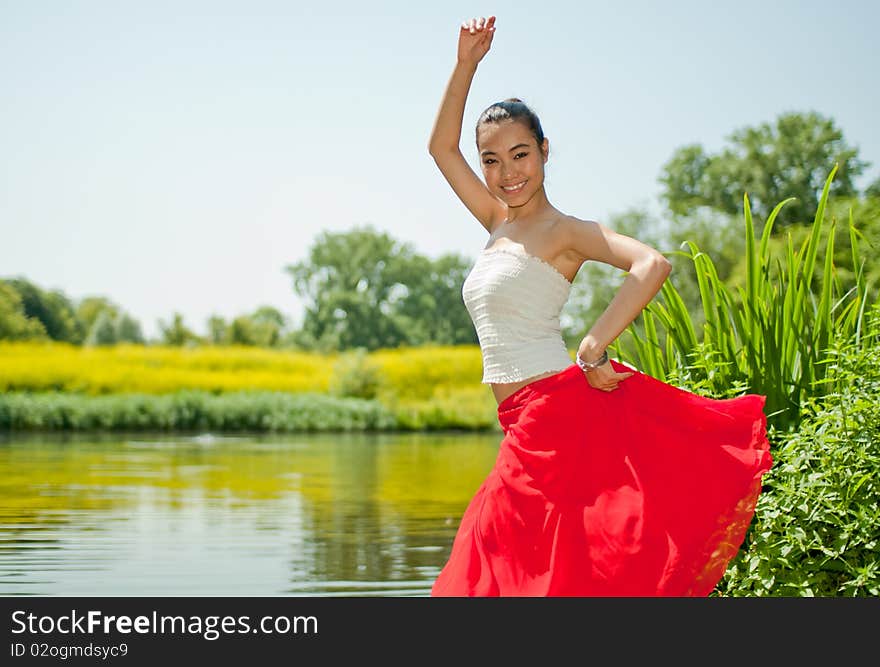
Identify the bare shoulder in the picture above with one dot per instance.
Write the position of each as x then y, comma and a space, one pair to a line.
571, 221
574, 232
592, 240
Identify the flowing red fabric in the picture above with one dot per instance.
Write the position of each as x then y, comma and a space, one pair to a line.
647, 490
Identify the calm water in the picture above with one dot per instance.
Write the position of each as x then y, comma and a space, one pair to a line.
218, 515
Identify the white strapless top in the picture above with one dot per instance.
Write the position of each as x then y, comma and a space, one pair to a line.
514, 299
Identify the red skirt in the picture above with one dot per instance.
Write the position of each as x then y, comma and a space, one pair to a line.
647, 490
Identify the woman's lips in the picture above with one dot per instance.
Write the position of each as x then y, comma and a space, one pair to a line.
513, 189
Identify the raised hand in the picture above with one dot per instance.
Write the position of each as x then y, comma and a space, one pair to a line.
474, 39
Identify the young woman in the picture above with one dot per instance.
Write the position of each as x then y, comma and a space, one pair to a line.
608, 481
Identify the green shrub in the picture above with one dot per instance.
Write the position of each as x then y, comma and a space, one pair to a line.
356, 375
192, 410
816, 530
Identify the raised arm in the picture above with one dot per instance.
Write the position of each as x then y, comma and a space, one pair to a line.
474, 40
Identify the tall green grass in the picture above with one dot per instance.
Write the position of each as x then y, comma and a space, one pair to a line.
774, 338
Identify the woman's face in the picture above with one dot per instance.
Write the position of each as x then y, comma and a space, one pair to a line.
512, 163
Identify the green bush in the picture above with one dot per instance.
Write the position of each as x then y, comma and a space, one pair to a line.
356, 375
816, 530
192, 410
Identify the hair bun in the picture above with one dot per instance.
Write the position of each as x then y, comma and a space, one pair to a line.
512, 108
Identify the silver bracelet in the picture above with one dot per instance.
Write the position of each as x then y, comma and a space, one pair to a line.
590, 365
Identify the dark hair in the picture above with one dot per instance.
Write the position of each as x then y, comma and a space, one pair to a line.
512, 108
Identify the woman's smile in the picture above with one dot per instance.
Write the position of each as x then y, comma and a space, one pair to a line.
513, 189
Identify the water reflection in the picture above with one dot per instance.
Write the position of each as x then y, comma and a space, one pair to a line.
347, 514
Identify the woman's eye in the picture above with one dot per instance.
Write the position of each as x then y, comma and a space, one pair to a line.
519, 155
489, 161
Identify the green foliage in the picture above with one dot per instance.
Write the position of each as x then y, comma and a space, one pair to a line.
52, 308
90, 308
718, 235
770, 163
42, 315
103, 331
447, 411
128, 329
817, 524
111, 327
192, 410
268, 326
177, 333
242, 330
356, 375
865, 211
245, 410
773, 338
265, 327
432, 312
363, 289
217, 329
14, 322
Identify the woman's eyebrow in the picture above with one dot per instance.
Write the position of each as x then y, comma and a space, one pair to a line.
512, 149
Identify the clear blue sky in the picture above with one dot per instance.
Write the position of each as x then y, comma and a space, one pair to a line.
177, 155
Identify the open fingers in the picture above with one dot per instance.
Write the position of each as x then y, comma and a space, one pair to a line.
475, 25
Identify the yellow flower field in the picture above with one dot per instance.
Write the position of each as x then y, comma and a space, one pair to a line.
157, 370
406, 373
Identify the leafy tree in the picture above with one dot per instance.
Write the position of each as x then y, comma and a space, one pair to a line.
89, 308
241, 331
177, 333
14, 322
269, 315
128, 329
364, 289
53, 309
106, 323
429, 307
791, 158
265, 327
217, 330
348, 280
299, 339
268, 325
103, 330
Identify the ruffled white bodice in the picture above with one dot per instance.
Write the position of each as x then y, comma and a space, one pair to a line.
514, 299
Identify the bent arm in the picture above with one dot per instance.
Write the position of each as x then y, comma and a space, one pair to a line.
648, 270
644, 280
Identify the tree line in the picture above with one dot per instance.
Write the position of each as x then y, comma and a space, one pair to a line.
364, 289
